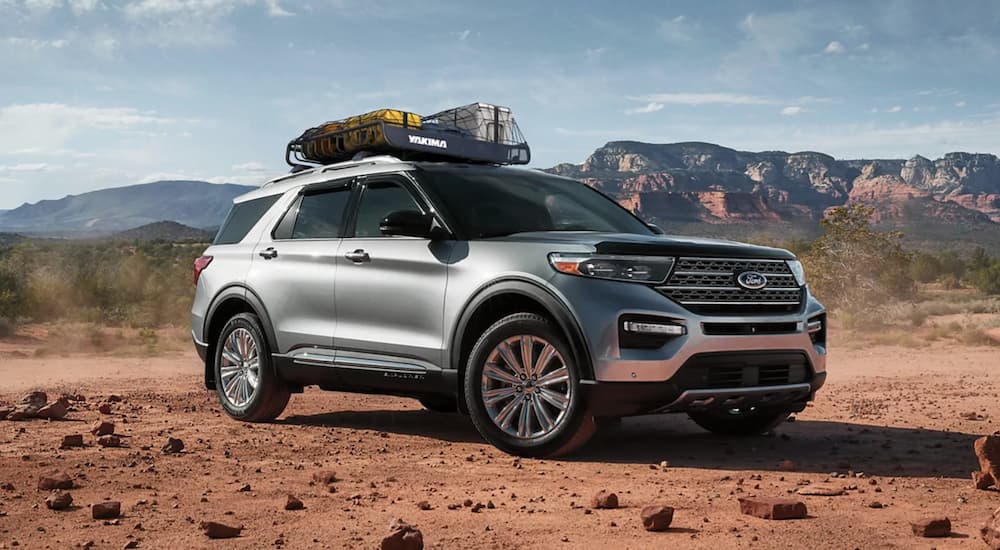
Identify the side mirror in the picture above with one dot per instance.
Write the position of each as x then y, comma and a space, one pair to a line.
407, 223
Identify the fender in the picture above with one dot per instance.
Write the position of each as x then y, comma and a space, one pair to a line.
244, 293
559, 310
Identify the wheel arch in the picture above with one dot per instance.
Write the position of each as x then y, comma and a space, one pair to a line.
231, 301
504, 297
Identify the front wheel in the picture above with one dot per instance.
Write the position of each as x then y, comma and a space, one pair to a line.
246, 383
522, 389
739, 421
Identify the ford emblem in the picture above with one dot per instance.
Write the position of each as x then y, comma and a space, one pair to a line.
751, 280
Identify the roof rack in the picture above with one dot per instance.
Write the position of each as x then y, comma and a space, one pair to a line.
476, 133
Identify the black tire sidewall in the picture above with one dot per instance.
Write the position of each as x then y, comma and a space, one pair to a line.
267, 379
514, 325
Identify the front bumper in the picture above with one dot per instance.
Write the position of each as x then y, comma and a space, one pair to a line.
633, 398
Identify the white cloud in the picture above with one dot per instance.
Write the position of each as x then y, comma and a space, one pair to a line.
80, 7
894, 109
595, 52
834, 47
864, 47
30, 167
650, 107
678, 29
249, 167
41, 6
464, 34
35, 44
275, 10
793, 110
960, 104
710, 98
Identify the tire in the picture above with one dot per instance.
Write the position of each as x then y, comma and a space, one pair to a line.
269, 397
439, 403
739, 423
541, 420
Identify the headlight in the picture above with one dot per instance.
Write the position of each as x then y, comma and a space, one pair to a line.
798, 271
638, 269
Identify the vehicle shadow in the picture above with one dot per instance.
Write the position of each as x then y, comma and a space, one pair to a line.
817, 446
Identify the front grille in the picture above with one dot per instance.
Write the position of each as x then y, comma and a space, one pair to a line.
742, 370
708, 286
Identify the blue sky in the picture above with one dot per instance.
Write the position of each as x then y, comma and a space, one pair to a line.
100, 93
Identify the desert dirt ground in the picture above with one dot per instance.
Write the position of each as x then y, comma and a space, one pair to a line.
896, 423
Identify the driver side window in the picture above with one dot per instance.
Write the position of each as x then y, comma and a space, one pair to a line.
377, 201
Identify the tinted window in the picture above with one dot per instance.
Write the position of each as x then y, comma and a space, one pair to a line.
242, 218
379, 199
320, 214
493, 202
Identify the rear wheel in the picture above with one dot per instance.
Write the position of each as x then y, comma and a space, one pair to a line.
246, 383
739, 421
522, 388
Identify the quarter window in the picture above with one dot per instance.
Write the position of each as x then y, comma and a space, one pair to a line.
242, 218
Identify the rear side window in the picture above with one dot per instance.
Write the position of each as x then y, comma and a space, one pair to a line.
315, 216
241, 218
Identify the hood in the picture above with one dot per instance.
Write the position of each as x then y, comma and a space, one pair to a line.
630, 244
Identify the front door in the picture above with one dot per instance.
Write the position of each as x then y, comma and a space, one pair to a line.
390, 290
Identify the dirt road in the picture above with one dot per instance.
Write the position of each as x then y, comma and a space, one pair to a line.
897, 423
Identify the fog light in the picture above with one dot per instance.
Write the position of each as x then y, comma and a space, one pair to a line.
658, 329
814, 326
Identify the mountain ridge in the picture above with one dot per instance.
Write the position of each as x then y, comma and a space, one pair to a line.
196, 204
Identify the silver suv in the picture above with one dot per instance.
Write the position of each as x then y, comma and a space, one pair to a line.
530, 302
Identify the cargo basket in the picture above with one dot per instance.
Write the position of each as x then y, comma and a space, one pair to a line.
476, 133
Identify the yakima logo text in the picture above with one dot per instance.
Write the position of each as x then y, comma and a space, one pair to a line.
429, 142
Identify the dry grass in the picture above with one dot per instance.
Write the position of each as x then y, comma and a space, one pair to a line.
68, 339
937, 314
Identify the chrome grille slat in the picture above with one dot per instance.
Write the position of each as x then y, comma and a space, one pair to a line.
708, 286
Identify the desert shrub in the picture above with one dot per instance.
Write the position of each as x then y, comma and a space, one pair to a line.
926, 268
950, 281
987, 279
6, 327
854, 266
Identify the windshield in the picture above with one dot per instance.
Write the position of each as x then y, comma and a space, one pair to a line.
492, 202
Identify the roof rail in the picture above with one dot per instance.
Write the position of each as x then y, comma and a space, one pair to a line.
366, 161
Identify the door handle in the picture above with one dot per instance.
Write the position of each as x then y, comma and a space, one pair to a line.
269, 253
358, 256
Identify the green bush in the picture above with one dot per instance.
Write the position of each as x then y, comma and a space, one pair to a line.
987, 279
853, 266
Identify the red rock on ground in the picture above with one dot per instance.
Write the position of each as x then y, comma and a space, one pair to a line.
294, 503
72, 440
988, 452
55, 480
931, 527
403, 536
215, 530
109, 440
103, 427
104, 408
821, 490
657, 518
106, 510
325, 477
54, 411
28, 406
604, 500
982, 480
773, 508
990, 532
173, 446
58, 500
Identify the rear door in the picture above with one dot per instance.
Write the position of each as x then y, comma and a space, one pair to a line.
390, 290
294, 270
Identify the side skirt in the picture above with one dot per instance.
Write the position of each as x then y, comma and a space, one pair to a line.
363, 373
